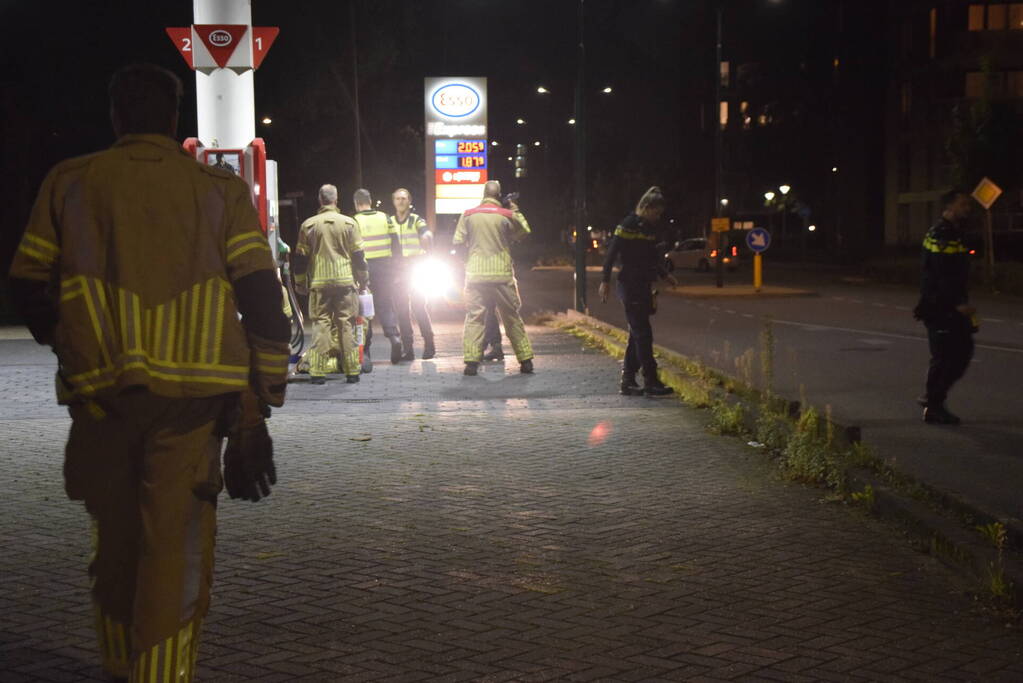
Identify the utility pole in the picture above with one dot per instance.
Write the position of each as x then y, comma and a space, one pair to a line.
355, 91
719, 265
581, 236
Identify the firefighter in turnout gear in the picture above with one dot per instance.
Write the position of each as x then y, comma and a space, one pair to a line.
485, 233
416, 240
135, 267
330, 264
381, 246
635, 244
944, 306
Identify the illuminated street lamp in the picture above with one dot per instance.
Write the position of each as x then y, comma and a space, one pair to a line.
834, 169
769, 196
542, 90
536, 143
724, 201
607, 90
785, 189
520, 121
811, 228
571, 122
267, 120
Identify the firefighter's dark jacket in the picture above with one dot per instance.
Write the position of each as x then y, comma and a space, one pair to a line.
946, 269
636, 246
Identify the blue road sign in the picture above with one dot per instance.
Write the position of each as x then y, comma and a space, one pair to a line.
758, 240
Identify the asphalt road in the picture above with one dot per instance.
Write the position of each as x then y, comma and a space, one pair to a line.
857, 349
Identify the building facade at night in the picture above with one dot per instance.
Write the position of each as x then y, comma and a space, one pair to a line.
953, 104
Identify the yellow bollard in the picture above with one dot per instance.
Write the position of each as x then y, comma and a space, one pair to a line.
758, 271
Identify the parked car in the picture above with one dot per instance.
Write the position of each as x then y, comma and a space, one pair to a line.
696, 254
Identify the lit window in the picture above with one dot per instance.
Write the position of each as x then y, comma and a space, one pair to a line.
976, 18
1016, 16
744, 107
996, 17
974, 85
725, 72
762, 119
724, 115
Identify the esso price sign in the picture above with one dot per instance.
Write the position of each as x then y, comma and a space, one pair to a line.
456, 100
221, 38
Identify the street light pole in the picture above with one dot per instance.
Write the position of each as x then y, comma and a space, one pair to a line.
580, 168
719, 266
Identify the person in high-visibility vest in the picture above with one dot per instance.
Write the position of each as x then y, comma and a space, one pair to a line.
381, 245
330, 264
485, 234
416, 240
150, 276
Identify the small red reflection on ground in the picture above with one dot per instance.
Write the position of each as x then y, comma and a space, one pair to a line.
599, 433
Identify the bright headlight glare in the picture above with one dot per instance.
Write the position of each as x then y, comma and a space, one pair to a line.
432, 278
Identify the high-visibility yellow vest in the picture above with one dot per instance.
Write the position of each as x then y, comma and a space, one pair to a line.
408, 233
376, 234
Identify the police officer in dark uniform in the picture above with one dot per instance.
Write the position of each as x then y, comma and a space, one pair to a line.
944, 306
635, 244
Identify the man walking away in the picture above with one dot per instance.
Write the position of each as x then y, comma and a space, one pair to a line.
944, 306
380, 242
487, 232
331, 265
135, 266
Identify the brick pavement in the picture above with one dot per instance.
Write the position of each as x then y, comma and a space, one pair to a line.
502, 528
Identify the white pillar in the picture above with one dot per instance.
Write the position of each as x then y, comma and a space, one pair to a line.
225, 100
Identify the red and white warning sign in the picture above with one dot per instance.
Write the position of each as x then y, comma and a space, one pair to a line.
209, 46
221, 40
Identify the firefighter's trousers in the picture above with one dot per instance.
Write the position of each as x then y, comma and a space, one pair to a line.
149, 473
333, 311
504, 297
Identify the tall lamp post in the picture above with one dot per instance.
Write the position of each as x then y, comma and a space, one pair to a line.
719, 202
580, 167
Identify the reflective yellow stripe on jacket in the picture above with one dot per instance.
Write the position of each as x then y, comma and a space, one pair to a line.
951, 247
178, 341
376, 234
408, 234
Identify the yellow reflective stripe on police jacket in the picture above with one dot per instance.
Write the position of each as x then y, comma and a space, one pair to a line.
376, 234
408, 234
951, 247
631, 235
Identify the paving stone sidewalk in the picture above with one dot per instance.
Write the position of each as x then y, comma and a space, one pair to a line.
433, 527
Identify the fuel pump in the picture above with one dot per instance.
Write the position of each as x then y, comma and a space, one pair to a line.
224, 49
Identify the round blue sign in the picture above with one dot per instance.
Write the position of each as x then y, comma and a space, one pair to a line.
758, 240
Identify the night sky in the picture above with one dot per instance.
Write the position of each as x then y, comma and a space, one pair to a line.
656, 54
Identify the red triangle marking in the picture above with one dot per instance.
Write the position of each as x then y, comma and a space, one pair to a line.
182, 38
262, 38
221, 40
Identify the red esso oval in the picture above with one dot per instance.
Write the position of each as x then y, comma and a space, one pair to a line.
456, 100
220, 38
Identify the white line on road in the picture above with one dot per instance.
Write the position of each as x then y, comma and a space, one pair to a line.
874, 333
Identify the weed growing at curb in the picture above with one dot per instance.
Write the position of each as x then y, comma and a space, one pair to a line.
727, 419
996, 584
865, 497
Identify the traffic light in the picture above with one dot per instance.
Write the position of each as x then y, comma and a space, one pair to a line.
520, 161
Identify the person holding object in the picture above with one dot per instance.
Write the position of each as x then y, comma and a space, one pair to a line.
484, 234
330, 264
149, 275
944, 306
383, 248
634, 245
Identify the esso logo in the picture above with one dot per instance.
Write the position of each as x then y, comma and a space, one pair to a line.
456, 100
220, 38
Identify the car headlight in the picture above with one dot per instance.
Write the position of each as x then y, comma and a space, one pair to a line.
432, 278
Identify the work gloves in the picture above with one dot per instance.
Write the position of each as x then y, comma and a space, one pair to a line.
249, 470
